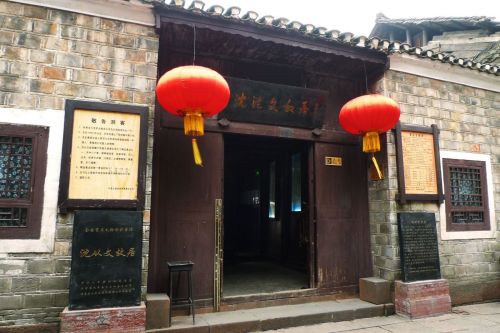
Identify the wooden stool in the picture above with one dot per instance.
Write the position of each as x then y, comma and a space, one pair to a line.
179, 267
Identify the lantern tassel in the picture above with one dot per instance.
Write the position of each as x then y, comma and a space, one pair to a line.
374, 160
196, 153
371, 142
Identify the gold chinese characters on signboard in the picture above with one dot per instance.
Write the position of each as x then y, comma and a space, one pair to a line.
333, 160
104, 155
419, 163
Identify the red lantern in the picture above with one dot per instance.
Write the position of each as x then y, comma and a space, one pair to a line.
193, 92
369, 115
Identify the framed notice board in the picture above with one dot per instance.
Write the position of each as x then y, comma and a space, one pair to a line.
104, 156
418, 163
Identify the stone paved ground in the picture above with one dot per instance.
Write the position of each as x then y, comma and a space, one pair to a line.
477, 318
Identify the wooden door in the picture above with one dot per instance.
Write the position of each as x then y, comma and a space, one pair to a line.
183, 211
342, 228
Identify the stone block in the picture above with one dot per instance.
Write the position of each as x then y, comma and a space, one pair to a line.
87, 21
38, 301
148, 70
375, 290
45, 28
63, 265
54, 283
36, 12
63, 17
111, 25
8, 7
54, 73
94, 92
119, 66
5, 285
56, 43
51, 102
64, 232
69, 60
67, 89
14, 53
136, 56
41, 56
37, 328
24, 284
124, 40
11, 302
22, 100
62, 248
28, 40
84, 47
16, 23
105, 320
40, 266
143, 98
110, 80
96, 63
42, 86
72, 32
12, 83
148, 44
157, 311
136, 29
98, 36
422, 298
6, 37
121, 95
61, 299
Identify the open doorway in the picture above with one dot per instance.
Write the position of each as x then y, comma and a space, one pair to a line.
266, 215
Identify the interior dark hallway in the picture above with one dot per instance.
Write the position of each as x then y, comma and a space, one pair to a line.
265, 215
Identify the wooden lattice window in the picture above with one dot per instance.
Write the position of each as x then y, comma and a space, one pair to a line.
466, 195
23, 159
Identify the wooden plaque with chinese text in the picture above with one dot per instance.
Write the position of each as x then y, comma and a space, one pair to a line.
419, 170
103, 156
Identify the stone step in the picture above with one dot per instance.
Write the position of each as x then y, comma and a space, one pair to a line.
276, 317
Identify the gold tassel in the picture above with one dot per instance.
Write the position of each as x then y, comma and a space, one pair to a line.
374, 160
193, 124
196, 153
371, 142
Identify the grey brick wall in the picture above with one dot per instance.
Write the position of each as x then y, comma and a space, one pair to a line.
47, 56
469, 120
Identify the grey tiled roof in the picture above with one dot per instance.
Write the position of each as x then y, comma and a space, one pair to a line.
382, 45
468, 21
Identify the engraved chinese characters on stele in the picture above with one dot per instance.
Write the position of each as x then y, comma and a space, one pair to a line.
104, 155
106, 259
418, 246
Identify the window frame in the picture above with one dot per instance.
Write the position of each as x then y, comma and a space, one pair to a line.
34, 205
485, 209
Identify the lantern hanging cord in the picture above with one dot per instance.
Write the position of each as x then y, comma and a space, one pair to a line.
194, 43
366, 77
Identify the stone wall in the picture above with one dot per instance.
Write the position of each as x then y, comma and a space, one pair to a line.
469, 122
46, 57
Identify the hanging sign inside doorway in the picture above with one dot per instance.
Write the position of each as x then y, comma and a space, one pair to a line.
275, 104
333, 160
103, 155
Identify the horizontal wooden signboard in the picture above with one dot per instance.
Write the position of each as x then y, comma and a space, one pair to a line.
275, 104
